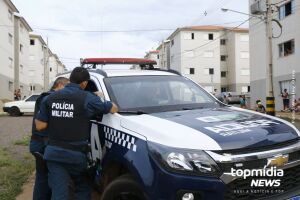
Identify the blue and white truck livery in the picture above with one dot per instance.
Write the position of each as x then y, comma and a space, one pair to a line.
172, 140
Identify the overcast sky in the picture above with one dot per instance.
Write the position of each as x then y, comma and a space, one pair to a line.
116, 28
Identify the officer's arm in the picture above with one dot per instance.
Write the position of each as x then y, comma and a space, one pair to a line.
95, 106
41, 121
40, 125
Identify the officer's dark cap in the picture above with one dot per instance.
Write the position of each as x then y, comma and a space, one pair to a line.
79, 74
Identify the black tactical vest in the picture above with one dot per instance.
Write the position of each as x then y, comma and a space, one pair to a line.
68, 121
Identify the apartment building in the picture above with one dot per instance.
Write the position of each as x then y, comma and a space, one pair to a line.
286, 55
153, 55
37, 55
14, 37
7, 49
26, 61
55, 67
21, 58
164, 54
214, 56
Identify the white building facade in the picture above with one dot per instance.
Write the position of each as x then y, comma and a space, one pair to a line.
55, 67
14, 48
7, 49
286, 55
153, 55
164, 54
215, 57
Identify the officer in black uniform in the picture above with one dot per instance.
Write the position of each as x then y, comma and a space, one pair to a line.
66, 113
37, 146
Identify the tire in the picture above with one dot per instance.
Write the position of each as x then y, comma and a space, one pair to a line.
123, 188
14, 111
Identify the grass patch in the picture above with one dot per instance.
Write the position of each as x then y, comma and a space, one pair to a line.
14, 171
24, 141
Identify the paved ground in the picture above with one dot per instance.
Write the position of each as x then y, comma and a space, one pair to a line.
14, 128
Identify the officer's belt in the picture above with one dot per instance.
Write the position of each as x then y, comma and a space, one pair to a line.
39, 138
73, 147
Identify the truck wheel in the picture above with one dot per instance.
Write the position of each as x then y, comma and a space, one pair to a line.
123, 188
14, 111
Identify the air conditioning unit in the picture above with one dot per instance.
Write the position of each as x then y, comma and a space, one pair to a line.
258, 7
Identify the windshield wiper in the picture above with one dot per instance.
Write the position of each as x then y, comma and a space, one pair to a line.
135, 112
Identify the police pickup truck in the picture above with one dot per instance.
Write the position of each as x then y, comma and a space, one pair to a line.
172, 140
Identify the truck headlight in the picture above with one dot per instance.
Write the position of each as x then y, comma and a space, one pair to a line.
190, 161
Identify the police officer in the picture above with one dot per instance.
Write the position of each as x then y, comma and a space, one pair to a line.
37, 146
66, 113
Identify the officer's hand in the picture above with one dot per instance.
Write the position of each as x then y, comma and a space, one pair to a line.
99, 94
114, 108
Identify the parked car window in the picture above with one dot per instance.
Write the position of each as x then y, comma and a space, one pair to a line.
33, 98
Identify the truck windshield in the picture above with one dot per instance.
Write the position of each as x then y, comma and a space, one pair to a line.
147, 94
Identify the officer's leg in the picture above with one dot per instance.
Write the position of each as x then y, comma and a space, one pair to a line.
41, 189
82, 188
59, 180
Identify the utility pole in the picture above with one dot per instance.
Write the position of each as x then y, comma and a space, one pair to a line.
270, 99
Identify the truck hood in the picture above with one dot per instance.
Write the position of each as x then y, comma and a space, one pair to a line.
212, 129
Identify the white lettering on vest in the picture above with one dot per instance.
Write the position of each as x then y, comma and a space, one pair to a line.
64, 110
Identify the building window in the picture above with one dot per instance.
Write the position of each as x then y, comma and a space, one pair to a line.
192, 36
286, 48
32, 42
32, 88
248, 88
223, 74
210, 36
208, 54
223, 57
157, 56
21, 48
286, 9
10, 38
10, 86
245, 72
172, 42
223, 42
211, 71
223, 89
10, 62
192, 70
10, 14
245, 54
50, 69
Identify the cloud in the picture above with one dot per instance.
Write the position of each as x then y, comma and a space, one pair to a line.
118, 15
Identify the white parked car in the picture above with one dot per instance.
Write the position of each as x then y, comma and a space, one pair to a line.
17, 108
